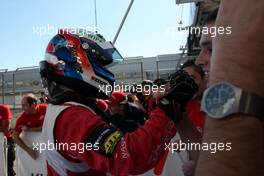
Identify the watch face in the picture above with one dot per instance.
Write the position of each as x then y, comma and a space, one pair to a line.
219, 100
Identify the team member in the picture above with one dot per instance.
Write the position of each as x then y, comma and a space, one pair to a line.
31, 119
5, 120
193, 107
193, 112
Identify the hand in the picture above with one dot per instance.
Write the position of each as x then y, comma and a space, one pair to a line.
181, 89
132, 96
33, 154
188, 168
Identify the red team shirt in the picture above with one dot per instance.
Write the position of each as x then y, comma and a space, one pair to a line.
5, 114
195, 114
31, 120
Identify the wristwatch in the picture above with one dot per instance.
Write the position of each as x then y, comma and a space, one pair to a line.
223, 99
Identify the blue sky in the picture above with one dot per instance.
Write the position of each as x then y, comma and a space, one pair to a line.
150, 28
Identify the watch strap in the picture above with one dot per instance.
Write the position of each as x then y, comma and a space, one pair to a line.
251, 104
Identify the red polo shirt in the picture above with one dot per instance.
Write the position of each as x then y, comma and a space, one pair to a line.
195, 114
5, 114
31, 120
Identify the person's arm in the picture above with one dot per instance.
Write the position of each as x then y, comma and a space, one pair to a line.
189, 134
32, 129
36, 129
22, 144
237, 58
5, 125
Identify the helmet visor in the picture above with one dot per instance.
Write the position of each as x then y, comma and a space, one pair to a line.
105, 53
111, 52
